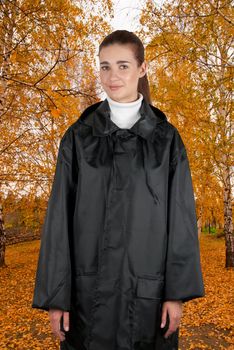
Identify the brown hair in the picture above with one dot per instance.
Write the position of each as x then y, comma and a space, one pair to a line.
125, 37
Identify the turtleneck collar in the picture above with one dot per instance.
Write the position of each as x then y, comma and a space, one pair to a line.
125, 114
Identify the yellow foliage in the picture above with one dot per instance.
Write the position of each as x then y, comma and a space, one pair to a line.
55, 112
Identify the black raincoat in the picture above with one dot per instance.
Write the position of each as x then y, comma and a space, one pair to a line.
120, 233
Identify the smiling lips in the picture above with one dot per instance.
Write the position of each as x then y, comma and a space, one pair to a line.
115, 87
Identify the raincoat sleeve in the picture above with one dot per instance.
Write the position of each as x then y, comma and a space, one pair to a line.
53, 276
183, 275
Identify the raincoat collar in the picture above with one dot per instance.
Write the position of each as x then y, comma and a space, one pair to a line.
98, 116
102, 125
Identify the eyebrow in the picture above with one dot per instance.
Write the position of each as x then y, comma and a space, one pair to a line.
106, 62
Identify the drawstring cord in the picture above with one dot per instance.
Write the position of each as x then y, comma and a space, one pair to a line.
145, 166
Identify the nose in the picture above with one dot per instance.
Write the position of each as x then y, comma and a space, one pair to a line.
113, 75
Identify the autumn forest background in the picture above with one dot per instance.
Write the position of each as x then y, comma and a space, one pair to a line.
49, 75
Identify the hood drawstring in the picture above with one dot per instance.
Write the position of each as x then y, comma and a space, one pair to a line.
145, 166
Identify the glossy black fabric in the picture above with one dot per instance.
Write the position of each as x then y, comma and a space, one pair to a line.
120, 232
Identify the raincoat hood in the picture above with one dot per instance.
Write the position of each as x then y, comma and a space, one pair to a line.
103, 125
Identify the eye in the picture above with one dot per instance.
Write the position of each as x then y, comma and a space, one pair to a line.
103, 67
106, 67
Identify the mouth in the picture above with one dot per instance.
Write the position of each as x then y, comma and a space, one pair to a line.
113, 88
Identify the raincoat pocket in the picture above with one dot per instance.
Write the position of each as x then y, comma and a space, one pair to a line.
146, 309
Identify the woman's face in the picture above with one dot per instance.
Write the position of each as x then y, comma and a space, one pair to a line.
119, 73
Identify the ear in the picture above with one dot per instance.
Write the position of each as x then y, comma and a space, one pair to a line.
144, 68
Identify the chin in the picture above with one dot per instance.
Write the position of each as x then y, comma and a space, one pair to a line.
115, 94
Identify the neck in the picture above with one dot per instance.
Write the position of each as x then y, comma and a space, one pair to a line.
125, 114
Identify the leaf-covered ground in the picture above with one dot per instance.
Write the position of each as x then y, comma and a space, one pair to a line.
207, 323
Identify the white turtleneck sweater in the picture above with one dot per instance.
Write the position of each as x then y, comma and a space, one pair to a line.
125, 114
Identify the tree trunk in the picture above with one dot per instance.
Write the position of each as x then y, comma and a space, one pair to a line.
199, 224
6, 45
2, 240
228, 224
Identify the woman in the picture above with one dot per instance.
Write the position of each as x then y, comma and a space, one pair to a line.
119, 251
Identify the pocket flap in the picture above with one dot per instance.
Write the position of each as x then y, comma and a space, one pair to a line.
149, 288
